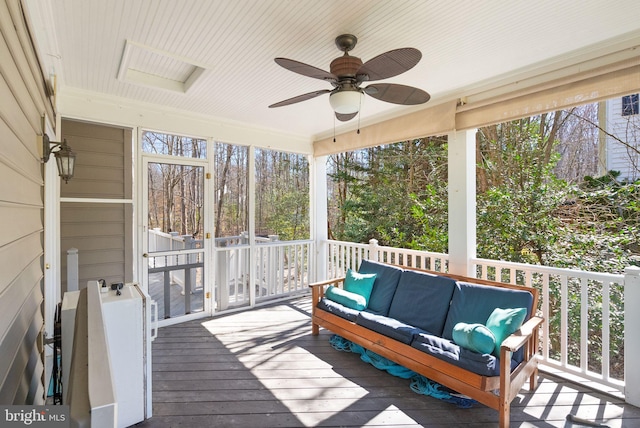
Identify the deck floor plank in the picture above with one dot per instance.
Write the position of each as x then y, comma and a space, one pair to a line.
263, 368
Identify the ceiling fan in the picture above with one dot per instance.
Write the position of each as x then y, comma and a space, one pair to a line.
348, 73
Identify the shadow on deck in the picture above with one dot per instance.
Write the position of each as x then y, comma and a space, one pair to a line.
263, 368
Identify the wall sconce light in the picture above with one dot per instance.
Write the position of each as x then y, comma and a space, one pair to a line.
65, 158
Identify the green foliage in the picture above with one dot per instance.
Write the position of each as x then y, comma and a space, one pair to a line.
396, 194
602, 225
282, 195
518, 193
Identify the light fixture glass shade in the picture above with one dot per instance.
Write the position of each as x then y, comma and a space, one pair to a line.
66, 161
346, 102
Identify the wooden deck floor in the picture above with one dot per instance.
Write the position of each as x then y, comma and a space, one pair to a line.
262, 368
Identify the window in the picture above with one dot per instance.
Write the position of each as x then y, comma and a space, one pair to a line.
173, 145
231, 194
630, 105
282, 195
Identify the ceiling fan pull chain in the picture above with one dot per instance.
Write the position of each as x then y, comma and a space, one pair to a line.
359, 115
334, 128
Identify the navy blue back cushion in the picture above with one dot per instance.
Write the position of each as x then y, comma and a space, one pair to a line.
384, 288
473, 303
422, 300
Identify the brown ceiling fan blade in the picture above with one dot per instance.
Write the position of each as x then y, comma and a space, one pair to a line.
299, 98
397, 94
389, 64
306, 69
345, 117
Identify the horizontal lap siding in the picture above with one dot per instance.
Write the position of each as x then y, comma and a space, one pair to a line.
22, 104
102, 232
98, 232
621, 158
100, 162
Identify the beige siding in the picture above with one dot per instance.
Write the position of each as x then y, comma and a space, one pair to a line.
22, 104
103, 163
102, 232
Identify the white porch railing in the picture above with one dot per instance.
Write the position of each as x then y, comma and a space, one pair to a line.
348, 255
278, 269
161, 242
584, 311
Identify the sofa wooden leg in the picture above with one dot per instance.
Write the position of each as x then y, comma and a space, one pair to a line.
533, 381
504, 407
504, 412
315, 329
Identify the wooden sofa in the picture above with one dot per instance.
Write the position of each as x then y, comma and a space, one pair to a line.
495, 391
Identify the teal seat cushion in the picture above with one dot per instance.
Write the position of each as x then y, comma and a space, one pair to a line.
359, 283
446, 350
474, 337
384, 288
389, 327
338, 309
503, 323
346, 298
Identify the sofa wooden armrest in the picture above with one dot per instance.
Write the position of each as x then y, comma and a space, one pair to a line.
322, 284
523, 335
317, 293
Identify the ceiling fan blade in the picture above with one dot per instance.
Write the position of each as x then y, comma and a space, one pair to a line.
389, 64
345, 117
397, 94
306, 69
299, 98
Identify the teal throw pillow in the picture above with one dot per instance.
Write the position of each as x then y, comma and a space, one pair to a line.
346, 298
359, 283
503, 323
474, 337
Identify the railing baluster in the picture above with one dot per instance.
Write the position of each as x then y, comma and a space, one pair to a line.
545, 314
295, 266
167, 293
584, 324
605, 330
564, 320
187, 291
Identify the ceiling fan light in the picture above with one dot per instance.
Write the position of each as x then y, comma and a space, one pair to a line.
346, 102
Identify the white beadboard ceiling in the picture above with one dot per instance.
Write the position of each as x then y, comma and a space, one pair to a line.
215, 57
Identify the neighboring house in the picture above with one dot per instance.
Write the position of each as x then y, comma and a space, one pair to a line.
623, 143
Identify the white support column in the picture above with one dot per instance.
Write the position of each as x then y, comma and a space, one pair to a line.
462, 201
253, 250
631, 335
319, 219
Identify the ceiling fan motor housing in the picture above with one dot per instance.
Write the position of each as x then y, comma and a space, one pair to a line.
345, 66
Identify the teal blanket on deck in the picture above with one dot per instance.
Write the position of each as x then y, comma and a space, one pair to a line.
419, 383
